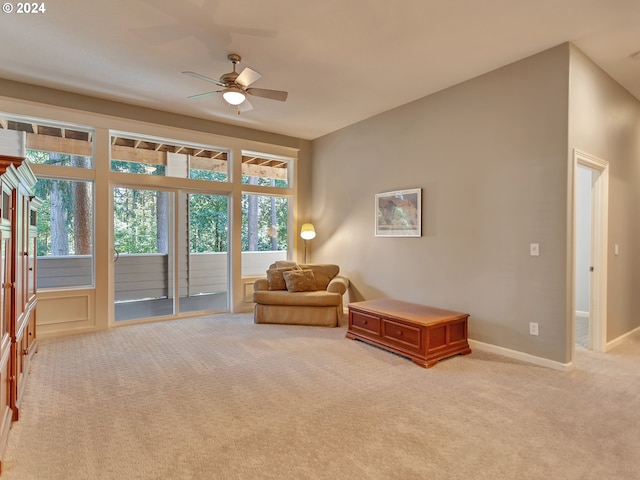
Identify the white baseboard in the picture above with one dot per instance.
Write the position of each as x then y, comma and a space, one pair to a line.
524, 357
614, 343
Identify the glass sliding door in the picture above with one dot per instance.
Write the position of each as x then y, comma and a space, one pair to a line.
202, 252
143, 253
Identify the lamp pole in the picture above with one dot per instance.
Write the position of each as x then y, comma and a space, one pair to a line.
307, 232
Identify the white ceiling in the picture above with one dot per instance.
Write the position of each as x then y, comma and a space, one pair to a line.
340, 60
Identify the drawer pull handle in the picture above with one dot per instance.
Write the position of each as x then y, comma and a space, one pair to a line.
364, 322
399, 333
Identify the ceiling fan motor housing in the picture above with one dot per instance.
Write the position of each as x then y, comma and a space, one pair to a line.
229, 78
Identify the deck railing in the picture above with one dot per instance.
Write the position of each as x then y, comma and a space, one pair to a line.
147, 275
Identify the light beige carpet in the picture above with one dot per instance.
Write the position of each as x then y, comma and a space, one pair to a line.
219, 397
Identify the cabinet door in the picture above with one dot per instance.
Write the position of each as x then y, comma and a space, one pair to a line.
5, 278
23, 226
31, 264
6, 414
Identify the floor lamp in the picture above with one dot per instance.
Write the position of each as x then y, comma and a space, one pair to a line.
307, 232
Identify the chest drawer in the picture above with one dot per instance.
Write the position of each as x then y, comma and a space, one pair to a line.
406, 335
364, 321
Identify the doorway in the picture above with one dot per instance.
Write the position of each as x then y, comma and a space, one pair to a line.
590, 207
170, 253
143, 249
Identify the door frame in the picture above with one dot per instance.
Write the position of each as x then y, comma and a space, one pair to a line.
599, 248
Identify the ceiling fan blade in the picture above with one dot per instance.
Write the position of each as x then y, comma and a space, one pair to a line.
202, 77
245, 106
265, 93
200, 95
247, 77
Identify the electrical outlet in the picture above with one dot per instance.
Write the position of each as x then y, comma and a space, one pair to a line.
533, 328
534, 249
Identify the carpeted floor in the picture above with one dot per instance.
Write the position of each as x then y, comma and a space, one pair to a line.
219, 397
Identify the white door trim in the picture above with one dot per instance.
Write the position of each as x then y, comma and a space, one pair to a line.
599, 246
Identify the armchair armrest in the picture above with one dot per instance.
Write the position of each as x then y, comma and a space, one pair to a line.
260, 285
338, 284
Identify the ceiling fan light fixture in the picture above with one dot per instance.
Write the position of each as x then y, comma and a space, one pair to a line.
234, 95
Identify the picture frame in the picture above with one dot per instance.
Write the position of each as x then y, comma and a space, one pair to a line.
399, 213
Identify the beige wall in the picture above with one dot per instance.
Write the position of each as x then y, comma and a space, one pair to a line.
491, 158
604, 122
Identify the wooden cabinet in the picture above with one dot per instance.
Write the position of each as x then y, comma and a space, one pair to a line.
18, 223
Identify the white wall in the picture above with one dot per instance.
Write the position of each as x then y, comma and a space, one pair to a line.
583, 238
491, 157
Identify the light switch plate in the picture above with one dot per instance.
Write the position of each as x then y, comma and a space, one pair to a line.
533, 328
534, 249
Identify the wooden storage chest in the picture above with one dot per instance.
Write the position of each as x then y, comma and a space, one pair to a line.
424, 334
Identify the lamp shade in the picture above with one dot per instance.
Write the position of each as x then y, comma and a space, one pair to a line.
307, 231
233, 95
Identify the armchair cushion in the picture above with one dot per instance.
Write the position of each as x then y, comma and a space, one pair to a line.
318, 298
285, 264
300, 281
323, 273
275, 276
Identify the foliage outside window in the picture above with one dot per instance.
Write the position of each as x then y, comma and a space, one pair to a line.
196, 174
65, 233
65, 219
59, 159
264, 223
264, 182
140, 220
133, 167
208, 223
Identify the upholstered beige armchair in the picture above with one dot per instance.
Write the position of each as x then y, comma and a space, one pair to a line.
300, 295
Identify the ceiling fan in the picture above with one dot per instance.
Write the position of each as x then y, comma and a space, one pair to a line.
235, 86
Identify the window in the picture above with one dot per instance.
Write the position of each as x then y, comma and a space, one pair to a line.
65, 233
65, 219
179, 221
49, 144
151, 156
265, 170
264, 232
